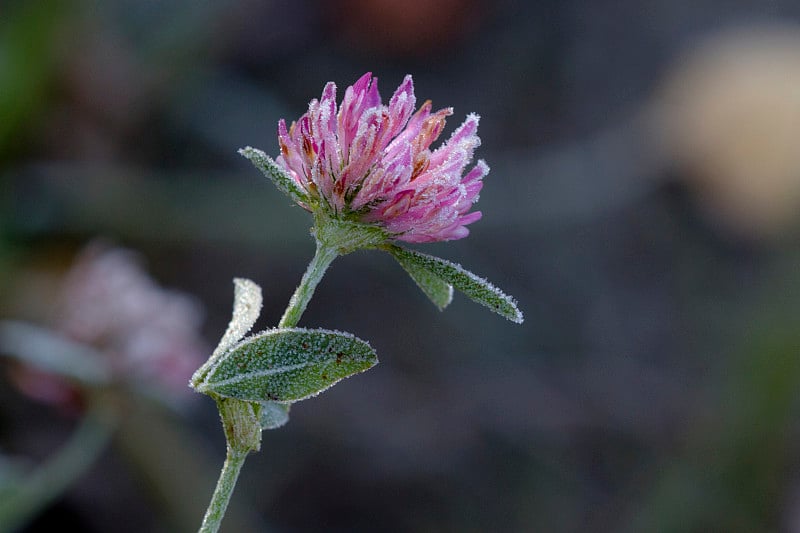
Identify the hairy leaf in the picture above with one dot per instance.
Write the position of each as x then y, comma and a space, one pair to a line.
477, 288
439, 291
246, 309
279, 177
273, 415
287, 365
247, 301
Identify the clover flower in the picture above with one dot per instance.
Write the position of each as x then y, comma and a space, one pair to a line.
367, 173
372, 163
113, 325
150, 334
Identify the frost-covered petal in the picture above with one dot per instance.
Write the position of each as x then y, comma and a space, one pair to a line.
358, 98
401, 106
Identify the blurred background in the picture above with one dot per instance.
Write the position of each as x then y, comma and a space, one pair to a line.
643, 207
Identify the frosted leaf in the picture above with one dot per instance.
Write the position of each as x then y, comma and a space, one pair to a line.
287, 365
48, 351
475, 287
246, 310
279, 176
439, 291
273, 415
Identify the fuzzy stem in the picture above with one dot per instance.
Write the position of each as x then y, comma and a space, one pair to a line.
323, 257
242, 428
222, 494
243, 435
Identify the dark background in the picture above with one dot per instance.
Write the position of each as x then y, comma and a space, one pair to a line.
653, 249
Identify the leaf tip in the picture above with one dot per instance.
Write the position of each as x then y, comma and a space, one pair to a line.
446, 299
433, 274
197, 382
516, 315
249, 152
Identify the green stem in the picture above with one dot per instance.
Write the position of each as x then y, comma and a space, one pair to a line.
243, 434
242, 428
323, 257
51, 479
222, 494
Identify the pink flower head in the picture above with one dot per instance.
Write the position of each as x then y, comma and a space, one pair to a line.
372, 163
151, 335
142, 334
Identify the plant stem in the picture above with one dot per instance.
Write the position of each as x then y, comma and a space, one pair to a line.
242, 428
323, 257
222, 494
51, 479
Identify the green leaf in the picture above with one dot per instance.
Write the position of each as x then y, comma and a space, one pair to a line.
273, 414
439, 291
247, 302
246, 309
279, 177
46, 350
477, 288
29, 37
287, 365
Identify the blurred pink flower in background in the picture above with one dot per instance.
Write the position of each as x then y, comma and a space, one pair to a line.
372, 163
148, 336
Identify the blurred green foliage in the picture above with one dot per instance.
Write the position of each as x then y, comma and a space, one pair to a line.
29, 53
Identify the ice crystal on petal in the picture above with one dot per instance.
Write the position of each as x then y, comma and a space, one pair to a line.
372, 163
